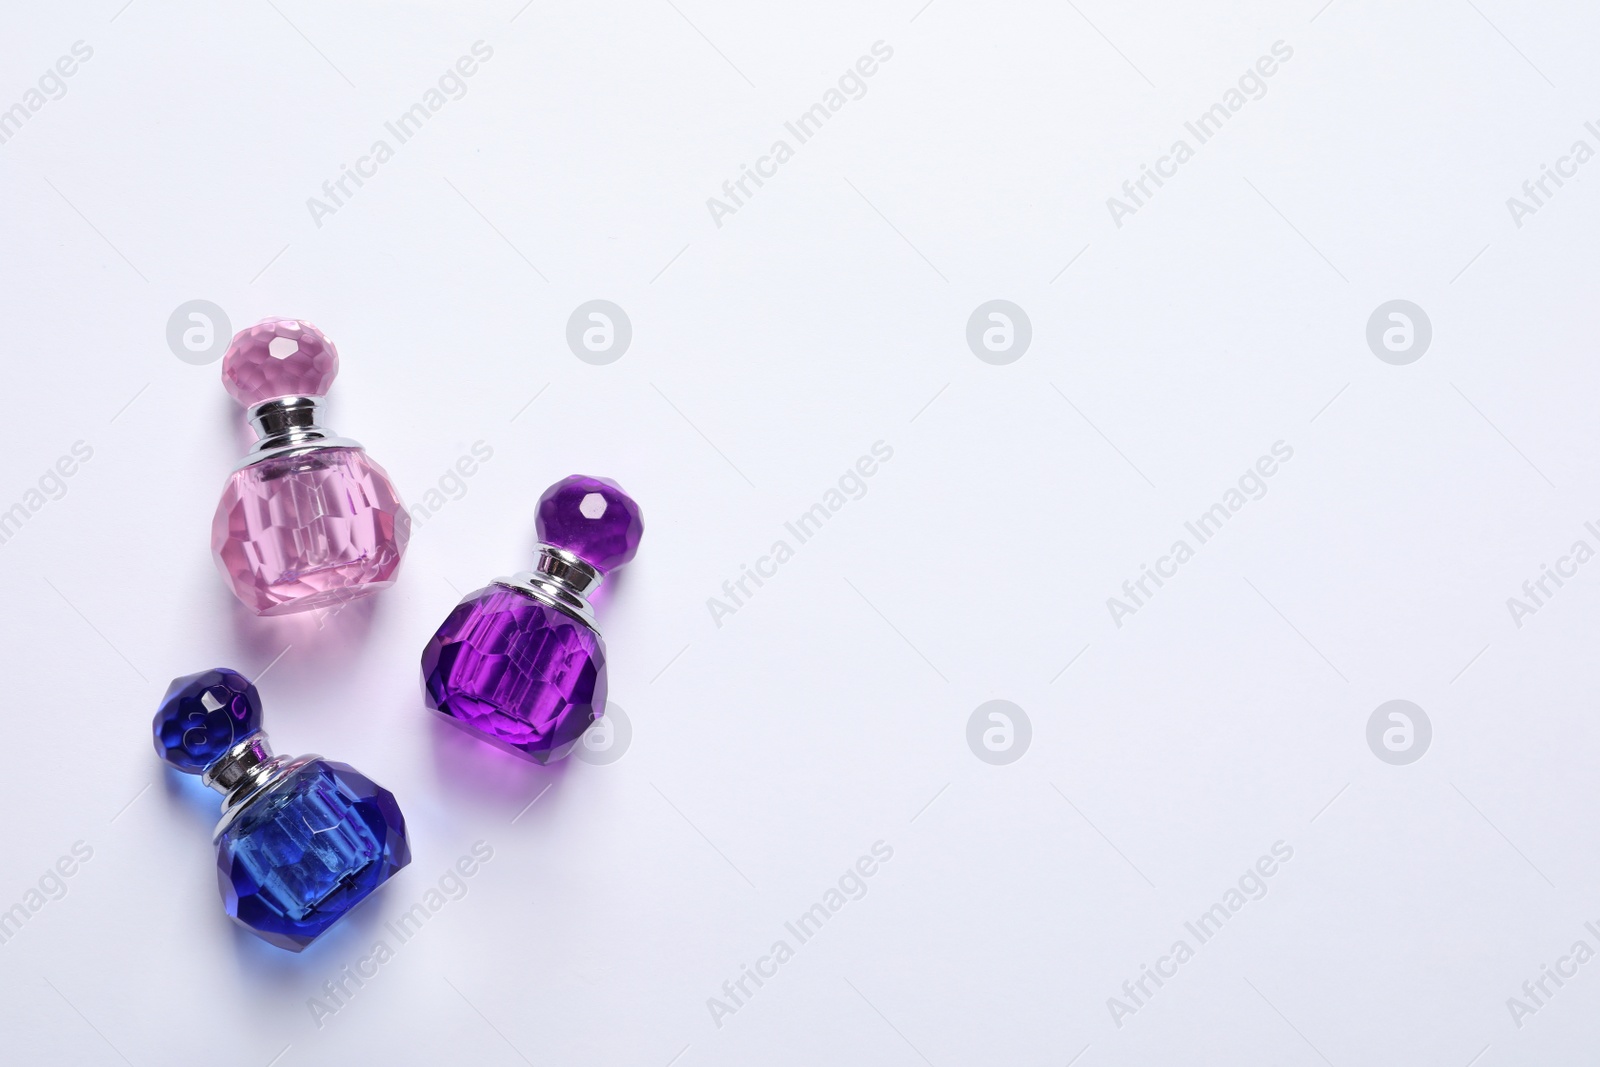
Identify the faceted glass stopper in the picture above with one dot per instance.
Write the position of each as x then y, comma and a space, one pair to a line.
279, 357
203, 715
517, 673
308, 531
591, 518
312, 846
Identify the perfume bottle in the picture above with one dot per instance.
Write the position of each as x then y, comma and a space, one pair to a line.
301, 841
307, 520
519, 663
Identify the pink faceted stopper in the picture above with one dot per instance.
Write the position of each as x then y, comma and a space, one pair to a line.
279, 357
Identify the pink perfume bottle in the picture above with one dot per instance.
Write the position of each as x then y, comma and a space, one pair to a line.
307, 520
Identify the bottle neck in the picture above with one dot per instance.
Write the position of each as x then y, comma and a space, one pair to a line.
287, 425
561, 580
245, 772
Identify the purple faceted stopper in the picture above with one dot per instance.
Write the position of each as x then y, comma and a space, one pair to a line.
591, 518
279, 357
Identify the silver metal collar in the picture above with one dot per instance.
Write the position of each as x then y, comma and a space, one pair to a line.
287, 426
560, 580
244, 772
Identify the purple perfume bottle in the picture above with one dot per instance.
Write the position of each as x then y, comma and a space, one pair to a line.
519, 663
307, 520
301, 841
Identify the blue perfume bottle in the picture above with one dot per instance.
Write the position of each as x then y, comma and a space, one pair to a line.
302, 840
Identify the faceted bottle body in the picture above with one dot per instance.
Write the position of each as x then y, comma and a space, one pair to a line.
308, 848
309, 530
516, 672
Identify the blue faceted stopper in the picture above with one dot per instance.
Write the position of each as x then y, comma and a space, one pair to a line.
203, 715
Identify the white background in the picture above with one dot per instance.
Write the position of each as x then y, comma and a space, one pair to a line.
830, 711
